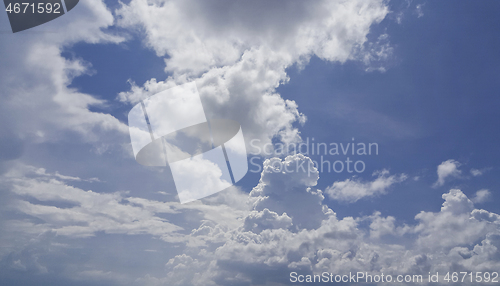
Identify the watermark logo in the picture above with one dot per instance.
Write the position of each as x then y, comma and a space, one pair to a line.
26, 14
325, 157
205, 156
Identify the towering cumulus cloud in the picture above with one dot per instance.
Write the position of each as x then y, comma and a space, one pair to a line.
278, 237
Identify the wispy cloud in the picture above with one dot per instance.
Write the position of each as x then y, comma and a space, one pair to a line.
419, 10
352, 190
479, 172
482, 196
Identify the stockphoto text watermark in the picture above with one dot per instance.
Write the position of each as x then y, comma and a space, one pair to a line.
334, 157
366, 277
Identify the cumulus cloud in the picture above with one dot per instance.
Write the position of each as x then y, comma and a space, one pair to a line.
352, 190
37, 103
286, 186
452, 226
446, 170
384, 226
199, 35
456, 236
238, 52
259, 221
287, 228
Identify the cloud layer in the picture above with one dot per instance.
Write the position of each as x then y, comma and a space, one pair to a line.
286, 228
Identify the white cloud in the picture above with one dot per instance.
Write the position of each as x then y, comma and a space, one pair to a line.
239, 52
37, 103
482, 196
199, 35
84, 213
265, 248
441, 241
419, 10
446, 170
258, 221
375, 55
288, 229
384, 226
354, 190
286, 187
238, 55
478, 172
43, 172
455, 225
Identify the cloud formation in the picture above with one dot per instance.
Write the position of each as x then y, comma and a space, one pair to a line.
37, 103
446, 170
238, 52
259, 246
482, 196
456, 236
478, 172
352, 190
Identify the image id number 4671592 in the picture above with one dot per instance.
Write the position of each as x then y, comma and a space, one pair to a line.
477, 277
32, 8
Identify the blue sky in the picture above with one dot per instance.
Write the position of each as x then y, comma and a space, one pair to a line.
419, 78
438, 96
